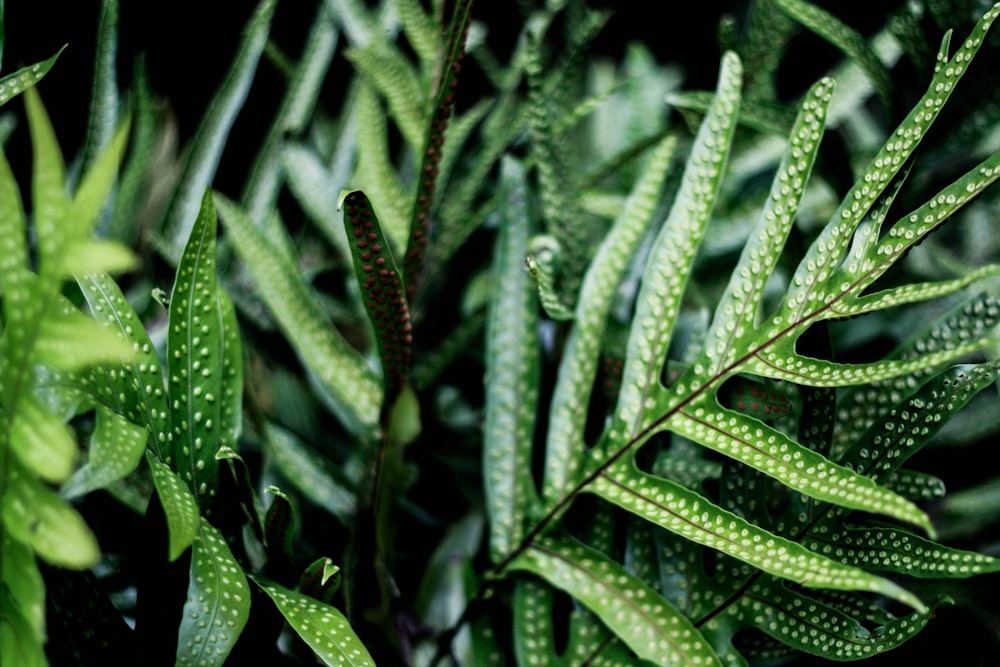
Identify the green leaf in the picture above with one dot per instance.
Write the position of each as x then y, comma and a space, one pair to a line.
852, 43
670, 262
24, 589
195, 357
320, 580
70, 341
647, 623
14, 258
571, 394
115, 450
297, 106
805, 624
17, 641
375, 172
321, 626
37, 516
512, 368
64, 225
895, 550
17, 82
213, 132
313, 475
339, 368
104, 91
681, 511
134, 389
41, 441
52, 222
179, 506
101, 174
394, 78
421, 30
218, 602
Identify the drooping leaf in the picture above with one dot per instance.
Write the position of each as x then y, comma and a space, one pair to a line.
218, 602
321, 626
115, 450
134, 389
649, 625
179, 506
340, 369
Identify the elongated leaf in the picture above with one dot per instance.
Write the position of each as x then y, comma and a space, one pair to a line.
792, 619
534, 639
218, 602
194, 361
17, 82
690, 515
312, 474
512, 371
136, 388
643, 620
394, 78
340, 369
132, 195
894, 550
179, 506
571, 395
213, 132
70, 341
852, 43
14, 258
434, 138
375, 172
421, 30
316, 190
296, 107
52, 222
104, 88
738, 310
321, 626
17, 642
382, 292
670, 262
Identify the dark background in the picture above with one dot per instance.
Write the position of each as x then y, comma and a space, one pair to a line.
188, 46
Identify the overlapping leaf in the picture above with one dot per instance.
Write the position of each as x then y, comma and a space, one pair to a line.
751, 335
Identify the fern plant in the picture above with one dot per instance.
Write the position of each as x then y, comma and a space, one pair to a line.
786, 533
678, 456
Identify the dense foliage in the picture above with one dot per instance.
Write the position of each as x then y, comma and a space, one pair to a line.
505, 343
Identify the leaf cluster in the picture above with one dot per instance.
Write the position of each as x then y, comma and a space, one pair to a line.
514, 354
